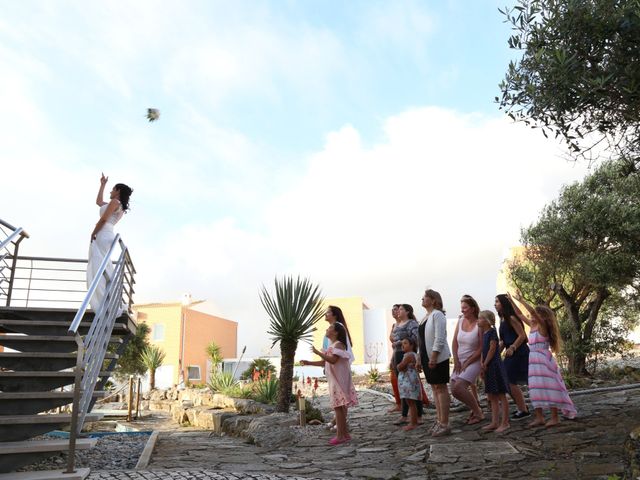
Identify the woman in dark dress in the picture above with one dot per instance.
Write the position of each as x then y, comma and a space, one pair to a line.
513, 340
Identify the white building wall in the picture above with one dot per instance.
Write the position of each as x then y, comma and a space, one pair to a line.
376, 324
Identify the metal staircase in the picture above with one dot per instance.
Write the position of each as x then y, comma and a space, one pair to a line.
54, 352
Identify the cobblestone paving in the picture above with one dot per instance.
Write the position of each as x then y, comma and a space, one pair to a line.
185, 475
590, 447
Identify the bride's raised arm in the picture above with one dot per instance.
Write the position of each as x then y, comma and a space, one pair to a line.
99, 198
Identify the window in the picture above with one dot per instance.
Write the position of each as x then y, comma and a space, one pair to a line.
158, 331
193, 372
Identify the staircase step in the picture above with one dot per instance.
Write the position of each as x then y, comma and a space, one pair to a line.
37, 381
14, 455
31, 403
21, 361
38, 446
51, 327
79, 474
43, 343
14, 428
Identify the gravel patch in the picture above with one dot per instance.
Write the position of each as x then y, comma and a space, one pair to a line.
112, 452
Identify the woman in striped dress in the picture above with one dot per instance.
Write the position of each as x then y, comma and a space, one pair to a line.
546, 386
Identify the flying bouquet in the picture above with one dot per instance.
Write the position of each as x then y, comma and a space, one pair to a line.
153, 114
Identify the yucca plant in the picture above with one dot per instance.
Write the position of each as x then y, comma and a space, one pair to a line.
293, 311
152, 357
266, 390
215, 355
222, 382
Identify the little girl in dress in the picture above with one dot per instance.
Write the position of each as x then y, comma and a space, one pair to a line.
409, 381
496, 385
546, 386
342, 393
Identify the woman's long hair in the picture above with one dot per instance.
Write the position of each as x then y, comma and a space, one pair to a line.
551, 323
341, 333
507, 311
337, 312
125, 193
409, 309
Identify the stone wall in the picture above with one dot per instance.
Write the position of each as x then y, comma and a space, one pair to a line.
203, 409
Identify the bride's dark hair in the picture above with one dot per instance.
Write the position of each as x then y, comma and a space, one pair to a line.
125, 194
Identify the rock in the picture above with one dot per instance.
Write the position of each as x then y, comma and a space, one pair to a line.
273, 430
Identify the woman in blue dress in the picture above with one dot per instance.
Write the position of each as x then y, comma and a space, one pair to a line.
513, 340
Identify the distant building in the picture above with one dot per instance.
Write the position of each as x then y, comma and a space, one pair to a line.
183, 333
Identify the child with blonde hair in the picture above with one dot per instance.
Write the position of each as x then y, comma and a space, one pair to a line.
496, 385
546, 386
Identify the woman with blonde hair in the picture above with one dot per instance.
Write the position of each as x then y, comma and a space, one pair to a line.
467, 349
434, 356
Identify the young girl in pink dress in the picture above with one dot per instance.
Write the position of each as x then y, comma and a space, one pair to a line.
336, 362
546, 386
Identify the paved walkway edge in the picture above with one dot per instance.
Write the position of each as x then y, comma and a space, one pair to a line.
145, 457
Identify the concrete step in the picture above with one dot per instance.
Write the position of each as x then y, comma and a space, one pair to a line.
14, 455
34, 381
14, 428
43, 343
79, 474
31, 403
38, 361
57, 314
51, 327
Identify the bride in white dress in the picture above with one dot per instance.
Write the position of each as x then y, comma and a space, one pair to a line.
102, 236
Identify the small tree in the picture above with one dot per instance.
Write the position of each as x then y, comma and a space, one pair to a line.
152, 357
261, 365
130, 361
215, 355
293, 311
582, 257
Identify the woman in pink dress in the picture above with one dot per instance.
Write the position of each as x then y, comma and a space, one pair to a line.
467, 350
336, 362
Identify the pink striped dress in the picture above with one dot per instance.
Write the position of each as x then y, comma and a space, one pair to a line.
546, 387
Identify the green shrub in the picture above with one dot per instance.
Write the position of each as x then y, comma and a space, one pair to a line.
261, 365
223, 382
266, 390
373, 375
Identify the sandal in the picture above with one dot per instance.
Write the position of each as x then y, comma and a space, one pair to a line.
337, 441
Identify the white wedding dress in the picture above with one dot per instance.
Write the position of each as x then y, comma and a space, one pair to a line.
97, 251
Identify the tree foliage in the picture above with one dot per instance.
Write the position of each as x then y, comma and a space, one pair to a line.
260, 365
582, 257
130, 361
214, 353
293, 310
152, 357
579, 74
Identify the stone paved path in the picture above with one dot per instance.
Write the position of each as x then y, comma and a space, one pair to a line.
588, 447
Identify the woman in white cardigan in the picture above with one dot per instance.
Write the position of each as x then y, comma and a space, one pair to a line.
434, 358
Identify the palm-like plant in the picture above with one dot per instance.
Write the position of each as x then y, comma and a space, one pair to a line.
152, 358
214, 354
293, 311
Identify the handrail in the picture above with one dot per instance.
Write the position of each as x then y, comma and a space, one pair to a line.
17, 235
11, 227
73, 328
93, 347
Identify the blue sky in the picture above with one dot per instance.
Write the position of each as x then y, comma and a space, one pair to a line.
357, 143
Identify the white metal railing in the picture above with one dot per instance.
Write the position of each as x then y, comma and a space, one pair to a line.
93, 347
10, 238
